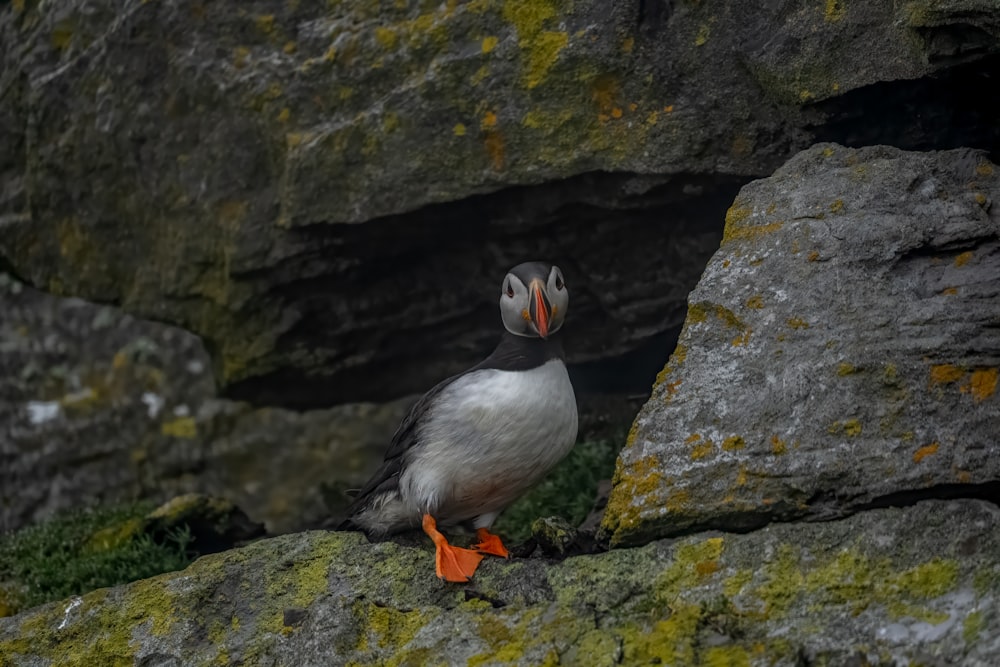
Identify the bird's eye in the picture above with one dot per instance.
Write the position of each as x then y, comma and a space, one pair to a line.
559, 282
510, 290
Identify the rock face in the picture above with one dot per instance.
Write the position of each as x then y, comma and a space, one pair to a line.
207, 164
98, 406
890, 586
840, 352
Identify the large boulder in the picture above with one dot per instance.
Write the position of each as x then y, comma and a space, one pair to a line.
97, 406
890, 586
207, 164
841, 351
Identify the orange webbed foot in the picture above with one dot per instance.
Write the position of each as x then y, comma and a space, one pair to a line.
490, 544
451, 563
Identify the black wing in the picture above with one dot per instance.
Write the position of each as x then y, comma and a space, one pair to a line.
386, 478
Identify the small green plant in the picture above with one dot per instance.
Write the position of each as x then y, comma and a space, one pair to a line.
80, 551
568, 491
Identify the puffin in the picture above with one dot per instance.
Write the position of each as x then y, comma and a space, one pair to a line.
477, 441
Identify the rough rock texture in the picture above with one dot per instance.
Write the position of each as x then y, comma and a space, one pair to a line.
204, 163
98, 406
841, 351
894, 586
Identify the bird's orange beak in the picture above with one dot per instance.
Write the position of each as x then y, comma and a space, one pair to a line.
539, 308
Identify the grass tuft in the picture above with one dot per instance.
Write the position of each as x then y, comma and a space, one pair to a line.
568, 491
83, 550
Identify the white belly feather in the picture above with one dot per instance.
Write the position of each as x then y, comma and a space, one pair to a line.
490, 436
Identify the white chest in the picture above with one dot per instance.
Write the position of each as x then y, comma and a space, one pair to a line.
489, 437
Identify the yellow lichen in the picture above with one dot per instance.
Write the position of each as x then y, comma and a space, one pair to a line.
386, 37
489, 43
701, 450
963, 258
755, 302
834, 11
778, 446
265, 23
797, 323
182, 427
240, 56
733, 443
540, 47
844, 368
704, 30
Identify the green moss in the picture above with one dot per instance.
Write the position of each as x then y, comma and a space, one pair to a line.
388, 627
735, 584
80, 551
852, 578
568, 491
513, 636
693, 562
972, 626
725, 656
928, 580
670, 641
96, 630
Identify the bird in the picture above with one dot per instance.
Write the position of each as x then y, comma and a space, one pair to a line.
477, 441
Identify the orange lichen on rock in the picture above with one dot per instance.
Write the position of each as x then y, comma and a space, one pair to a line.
963, 258
494, 145
924, 452
982, 384
945, 373
671, 389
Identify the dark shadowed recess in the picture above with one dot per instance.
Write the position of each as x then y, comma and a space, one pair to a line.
632, 247
957, 107
421, 289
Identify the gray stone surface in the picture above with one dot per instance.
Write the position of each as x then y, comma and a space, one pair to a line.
98, 406
205, 163
891, 586
841, 350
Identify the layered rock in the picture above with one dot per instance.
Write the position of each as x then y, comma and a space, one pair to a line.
841, 351
890, 586
97, 407
206, 163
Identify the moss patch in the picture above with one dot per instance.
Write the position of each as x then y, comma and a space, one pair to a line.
81, 551
568, 491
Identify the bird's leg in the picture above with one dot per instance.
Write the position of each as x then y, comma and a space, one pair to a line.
451, 563
490, 544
